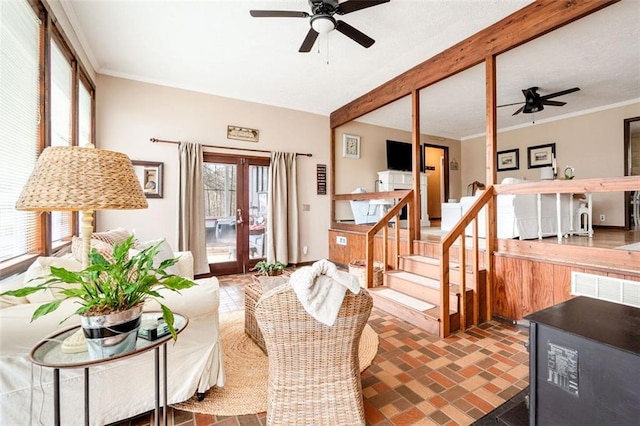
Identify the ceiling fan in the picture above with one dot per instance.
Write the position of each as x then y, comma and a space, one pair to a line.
322, 20
535, 103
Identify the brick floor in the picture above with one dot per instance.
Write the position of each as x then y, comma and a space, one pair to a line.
416, 378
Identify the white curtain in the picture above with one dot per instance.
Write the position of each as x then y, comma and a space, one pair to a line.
191, 220
282, 219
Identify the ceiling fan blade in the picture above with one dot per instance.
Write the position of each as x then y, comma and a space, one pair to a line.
278, 14
515, 103
309, 40
519, 110
552, 103
355, 35
562, 92
355, 5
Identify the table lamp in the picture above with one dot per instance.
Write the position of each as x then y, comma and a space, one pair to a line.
72, 178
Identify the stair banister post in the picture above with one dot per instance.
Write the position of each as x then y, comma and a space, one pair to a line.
463, 291
476, 288
369, 255
385, 239
445, 326
397, 234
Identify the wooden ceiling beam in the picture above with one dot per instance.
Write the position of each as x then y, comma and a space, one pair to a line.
524, 25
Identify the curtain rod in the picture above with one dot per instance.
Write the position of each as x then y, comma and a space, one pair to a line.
154, 140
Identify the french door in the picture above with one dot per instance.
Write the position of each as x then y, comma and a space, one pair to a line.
235, 198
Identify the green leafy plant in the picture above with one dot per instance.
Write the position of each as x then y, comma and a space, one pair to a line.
114, 285
267, 268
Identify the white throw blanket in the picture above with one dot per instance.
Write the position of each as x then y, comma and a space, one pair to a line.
321, 288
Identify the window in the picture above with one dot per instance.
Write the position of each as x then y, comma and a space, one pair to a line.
19, 124
29, 122
61, 110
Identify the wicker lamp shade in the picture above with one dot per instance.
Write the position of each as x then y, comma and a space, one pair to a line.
72, 178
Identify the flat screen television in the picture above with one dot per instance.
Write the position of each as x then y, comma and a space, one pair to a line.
399, 156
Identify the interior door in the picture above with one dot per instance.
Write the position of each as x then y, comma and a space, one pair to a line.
437, 168
235, 198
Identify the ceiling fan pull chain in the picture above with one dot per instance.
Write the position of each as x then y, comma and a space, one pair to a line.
327, 37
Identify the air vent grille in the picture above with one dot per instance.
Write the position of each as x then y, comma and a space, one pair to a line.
601, 287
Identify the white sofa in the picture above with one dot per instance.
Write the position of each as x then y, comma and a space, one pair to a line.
517, 215
119, 389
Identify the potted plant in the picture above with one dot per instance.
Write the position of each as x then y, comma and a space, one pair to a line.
111, 293
270, 269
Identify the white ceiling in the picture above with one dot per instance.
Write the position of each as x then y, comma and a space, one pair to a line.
214, 46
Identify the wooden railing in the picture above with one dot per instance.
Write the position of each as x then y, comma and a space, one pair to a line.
458, 233
405, 199
575, 186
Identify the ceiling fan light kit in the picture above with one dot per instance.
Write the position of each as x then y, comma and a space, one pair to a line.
322, 20
323, 24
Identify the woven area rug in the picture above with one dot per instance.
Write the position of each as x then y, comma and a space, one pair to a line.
247, 371
632, 247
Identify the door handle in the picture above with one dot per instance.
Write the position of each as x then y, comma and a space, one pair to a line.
239, 220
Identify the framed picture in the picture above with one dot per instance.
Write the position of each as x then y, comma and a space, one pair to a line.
508, 160
541, 155
350, 146
149, 174
242, 134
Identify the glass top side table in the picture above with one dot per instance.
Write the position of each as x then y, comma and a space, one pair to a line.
48, 353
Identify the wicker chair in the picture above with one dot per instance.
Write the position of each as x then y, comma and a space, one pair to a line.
314, 375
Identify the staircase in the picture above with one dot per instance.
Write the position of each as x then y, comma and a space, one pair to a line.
412, 292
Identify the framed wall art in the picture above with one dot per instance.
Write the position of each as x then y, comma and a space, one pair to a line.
243, 134
541, 155
149, 174
508, 160
350, 146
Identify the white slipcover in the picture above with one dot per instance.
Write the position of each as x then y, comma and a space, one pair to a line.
119, 389
517, 215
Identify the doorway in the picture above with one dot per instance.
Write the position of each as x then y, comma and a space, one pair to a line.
632, 168
436, 164
235, 198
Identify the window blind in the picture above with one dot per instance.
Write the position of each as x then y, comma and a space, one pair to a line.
61, 93
19, 115
84, 115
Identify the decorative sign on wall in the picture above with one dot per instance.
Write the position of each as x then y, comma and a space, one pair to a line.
242, 134
321, 177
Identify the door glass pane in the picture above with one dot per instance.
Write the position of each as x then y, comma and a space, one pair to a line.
258, 180
220, 211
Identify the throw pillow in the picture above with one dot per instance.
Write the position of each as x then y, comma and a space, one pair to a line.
111, 237
39, 271
165, 252
511, 180
105, 249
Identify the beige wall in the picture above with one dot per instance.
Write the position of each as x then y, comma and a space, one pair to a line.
352, 173
592, 143
129, 113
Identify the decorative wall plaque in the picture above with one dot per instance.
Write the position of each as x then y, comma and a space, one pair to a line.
321, 178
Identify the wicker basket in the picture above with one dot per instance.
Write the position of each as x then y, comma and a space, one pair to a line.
358, 268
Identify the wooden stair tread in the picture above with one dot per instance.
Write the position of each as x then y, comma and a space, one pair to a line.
436, 262
429, 310
415, 278
422, 280
404, 299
